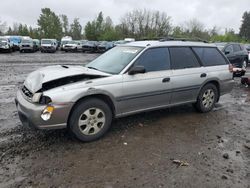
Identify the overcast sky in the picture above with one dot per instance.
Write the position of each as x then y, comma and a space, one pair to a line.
222, 13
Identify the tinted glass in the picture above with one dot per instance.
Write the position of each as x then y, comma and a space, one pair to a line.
229, 49
210, 56
155, 59
183, 57
236, 48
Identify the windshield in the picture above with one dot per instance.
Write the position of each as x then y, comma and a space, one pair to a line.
46, 41
72, 42
26, 41
115, 60
65, 42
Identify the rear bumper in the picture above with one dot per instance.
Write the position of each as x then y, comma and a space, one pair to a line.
30, 114
226, 86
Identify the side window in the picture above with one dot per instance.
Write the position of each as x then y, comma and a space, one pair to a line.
210, 56
236, 48
155, 59
183, 57
229, 49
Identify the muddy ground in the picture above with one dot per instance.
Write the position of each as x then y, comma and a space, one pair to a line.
138, 151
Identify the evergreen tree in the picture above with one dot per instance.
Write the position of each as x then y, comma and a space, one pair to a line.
245, 26
49, 24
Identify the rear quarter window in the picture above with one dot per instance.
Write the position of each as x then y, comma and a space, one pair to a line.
210, 56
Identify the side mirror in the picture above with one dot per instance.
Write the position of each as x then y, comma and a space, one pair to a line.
137, 70
227, 52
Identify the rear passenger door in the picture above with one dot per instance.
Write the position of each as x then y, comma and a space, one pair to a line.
215, 63
188, 75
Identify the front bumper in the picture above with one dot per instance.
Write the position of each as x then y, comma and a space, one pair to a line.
30, 114
69, 48
48, 49
26, 48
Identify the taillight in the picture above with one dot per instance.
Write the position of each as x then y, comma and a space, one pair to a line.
230, 68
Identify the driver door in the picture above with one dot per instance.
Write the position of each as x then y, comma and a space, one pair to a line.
151, 89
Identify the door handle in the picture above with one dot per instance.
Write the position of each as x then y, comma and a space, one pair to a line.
165, 79
203, 75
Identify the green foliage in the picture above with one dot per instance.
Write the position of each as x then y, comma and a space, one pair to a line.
49, 24
138, 24
229, 36
65, 24
245, 26
76, 29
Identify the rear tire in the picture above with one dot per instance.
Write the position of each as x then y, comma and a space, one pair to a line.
90, 119
207, 98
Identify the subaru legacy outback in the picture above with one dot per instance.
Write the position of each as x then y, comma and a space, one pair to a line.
128, 79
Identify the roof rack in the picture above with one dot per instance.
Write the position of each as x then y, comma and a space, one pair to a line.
183, 39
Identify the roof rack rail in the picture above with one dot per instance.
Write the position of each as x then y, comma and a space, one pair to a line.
183, 39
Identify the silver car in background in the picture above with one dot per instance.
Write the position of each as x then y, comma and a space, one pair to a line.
128, 79
48, 45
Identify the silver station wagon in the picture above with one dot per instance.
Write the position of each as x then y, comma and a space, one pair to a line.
128, 79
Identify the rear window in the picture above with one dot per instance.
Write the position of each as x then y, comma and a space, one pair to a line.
210, 56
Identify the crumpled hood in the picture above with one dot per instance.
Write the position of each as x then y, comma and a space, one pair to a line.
35, 79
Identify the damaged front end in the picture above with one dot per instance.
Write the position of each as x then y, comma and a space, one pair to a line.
44, 109
52, 77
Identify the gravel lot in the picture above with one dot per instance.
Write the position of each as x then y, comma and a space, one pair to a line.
138, 151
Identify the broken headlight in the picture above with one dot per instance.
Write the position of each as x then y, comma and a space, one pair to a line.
41, 99
45, 100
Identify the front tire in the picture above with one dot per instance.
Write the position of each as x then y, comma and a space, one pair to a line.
207, 98
90, 119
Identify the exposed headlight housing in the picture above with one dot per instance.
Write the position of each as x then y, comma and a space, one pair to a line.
41, 99
45, 100
36, 97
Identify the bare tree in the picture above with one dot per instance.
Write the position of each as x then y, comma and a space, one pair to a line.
3, 26
146, 24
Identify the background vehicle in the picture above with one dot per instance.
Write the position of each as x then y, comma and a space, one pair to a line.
105, 46
64, 41
36, 44
27, 45
73, 46
248, 50
48, 45
90, 46
15, 40
120, 42
5, 45
237, 55
86, 99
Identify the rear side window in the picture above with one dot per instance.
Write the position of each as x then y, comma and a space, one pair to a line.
183, 57
155, 59
236, 48
210, 56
